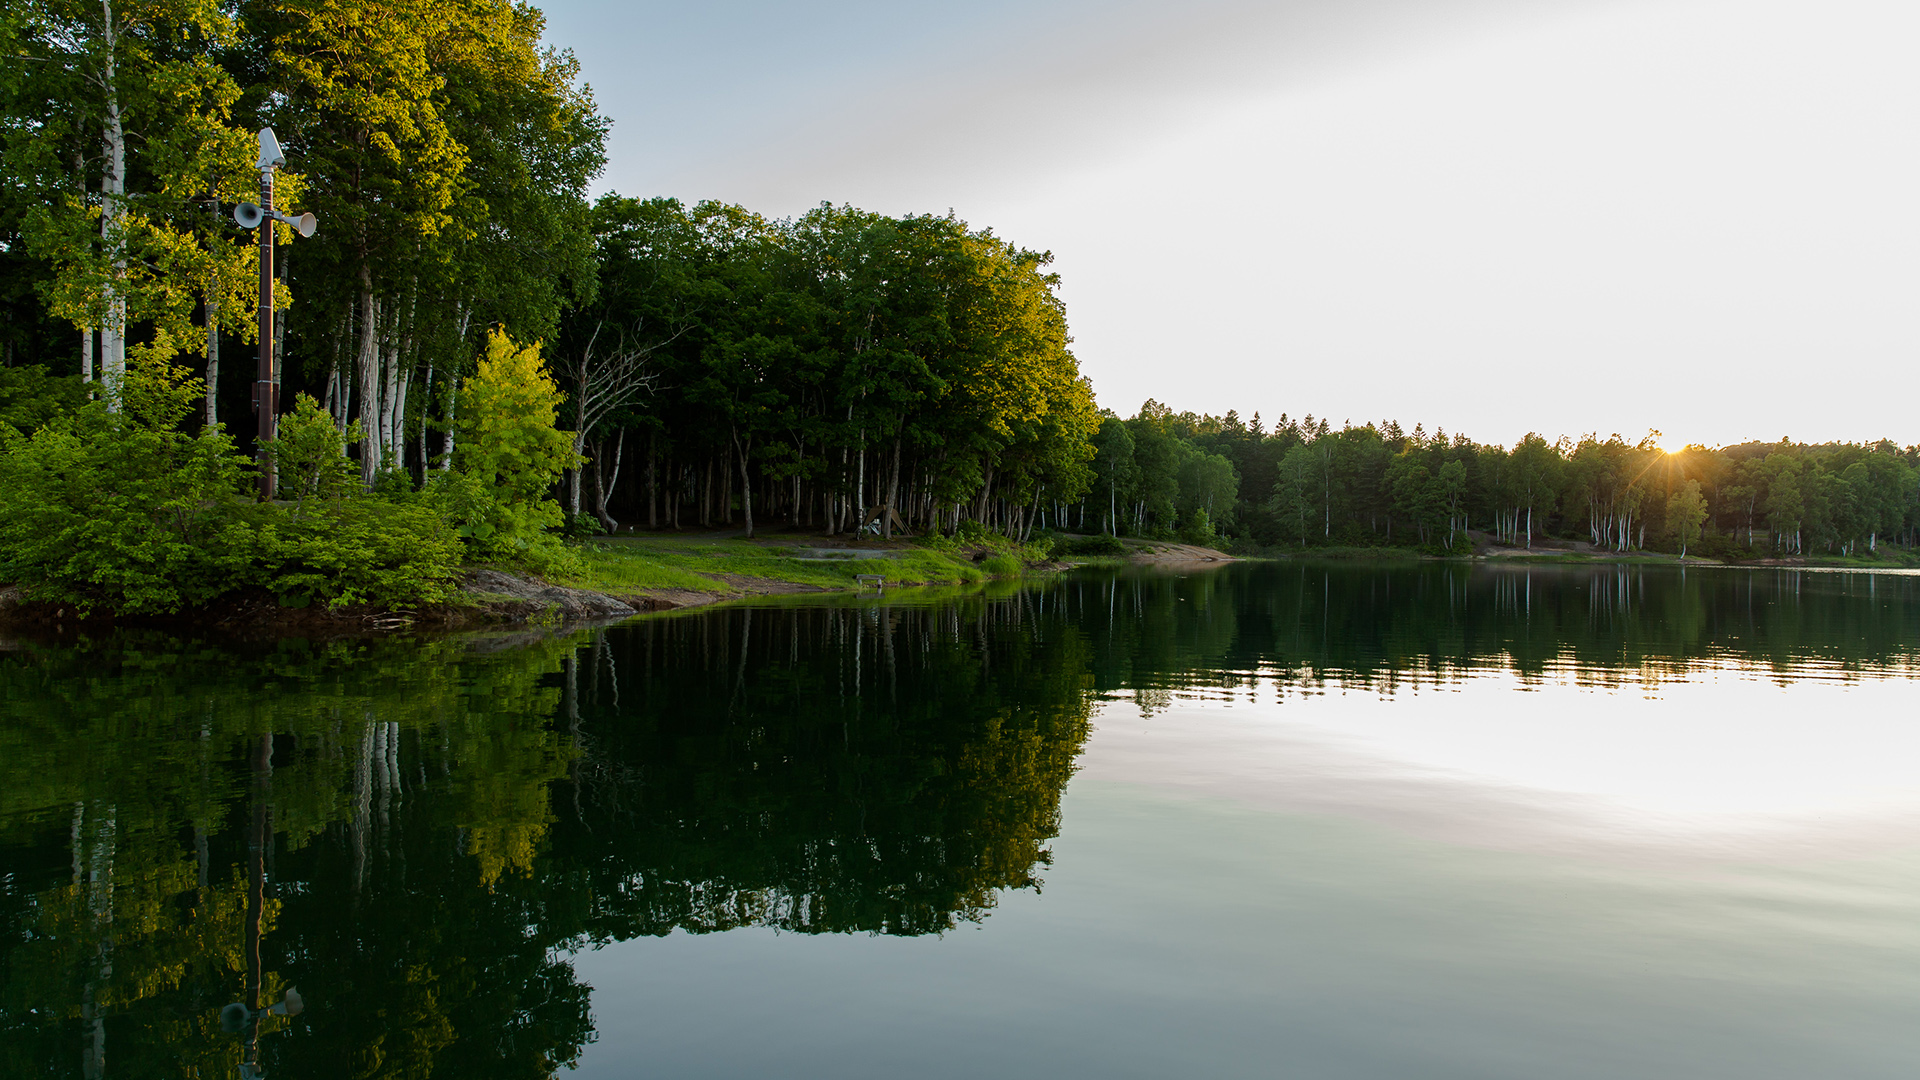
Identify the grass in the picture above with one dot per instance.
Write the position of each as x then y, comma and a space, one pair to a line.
1355, 553
629, 564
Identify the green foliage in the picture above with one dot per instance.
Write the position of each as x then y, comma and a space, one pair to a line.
583, 526
1686, 509
125, 509
1097, 547
30, 397
1198, 529
310, 455
138, 81
510, 454
363, 550
1003, 566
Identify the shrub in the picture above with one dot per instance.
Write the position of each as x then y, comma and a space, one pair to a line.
128, 511
1002, 566
358, 551
125, 509
310, 456
1102, 546
510, 448
1198, 529
30, 397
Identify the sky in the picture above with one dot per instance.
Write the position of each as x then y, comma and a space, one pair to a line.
1699, 217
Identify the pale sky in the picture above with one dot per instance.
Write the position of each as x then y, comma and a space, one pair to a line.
1493, 216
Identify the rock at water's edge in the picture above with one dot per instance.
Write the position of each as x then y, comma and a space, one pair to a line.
568, 603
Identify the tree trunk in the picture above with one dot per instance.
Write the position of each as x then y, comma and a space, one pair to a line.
746, 481
113, 195
893, 492
389, 389
368, 376
860, 486
604, 480
212, 305
653, 483
426, 410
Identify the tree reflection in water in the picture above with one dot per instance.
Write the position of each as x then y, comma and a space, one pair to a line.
418, 833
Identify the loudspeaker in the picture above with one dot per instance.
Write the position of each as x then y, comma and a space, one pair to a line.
270, 155
248, 215
304, 224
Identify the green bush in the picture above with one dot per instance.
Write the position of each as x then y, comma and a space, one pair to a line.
509, 447
1003, 566
125, 509
471, 509
1198, 529
310, 456
583, 527
364, 550
1098, 547
128, 511
31, 397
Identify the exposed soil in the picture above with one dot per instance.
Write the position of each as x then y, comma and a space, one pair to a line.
1155, 551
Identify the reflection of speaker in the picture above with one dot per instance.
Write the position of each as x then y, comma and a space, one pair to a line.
248, 215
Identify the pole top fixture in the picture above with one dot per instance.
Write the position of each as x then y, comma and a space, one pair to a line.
270, 155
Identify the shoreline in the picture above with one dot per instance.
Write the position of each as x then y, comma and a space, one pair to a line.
629, 576
625, 576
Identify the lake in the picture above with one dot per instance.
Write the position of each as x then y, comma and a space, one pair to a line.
1246, 820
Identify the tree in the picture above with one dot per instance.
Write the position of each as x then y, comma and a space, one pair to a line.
606, 377
1686, 509
1113, 466
1452, 483
449, 156
128, 236
509, 445
1295, 493
1537, 470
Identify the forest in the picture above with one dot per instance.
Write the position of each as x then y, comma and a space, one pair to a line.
503, 360
1305, 484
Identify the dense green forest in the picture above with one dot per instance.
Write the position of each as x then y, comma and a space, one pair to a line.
1303, 483
501, 359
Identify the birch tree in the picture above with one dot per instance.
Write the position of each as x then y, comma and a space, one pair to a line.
137, 139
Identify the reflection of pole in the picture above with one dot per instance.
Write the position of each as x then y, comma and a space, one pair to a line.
256, 894
264, 405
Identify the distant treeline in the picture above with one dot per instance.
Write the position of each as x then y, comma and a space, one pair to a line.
1304, 483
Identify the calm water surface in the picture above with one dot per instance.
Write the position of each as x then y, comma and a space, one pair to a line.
1254, 820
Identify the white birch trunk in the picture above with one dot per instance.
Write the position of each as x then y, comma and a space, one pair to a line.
453, 395
426, 410
389, 392
213, 352
368, 376
113, 195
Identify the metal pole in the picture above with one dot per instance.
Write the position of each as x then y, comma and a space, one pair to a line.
264, 404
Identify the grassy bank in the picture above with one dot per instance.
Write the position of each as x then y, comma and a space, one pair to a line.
676, 568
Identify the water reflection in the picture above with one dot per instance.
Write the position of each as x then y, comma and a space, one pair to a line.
420, 834
1311, 625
